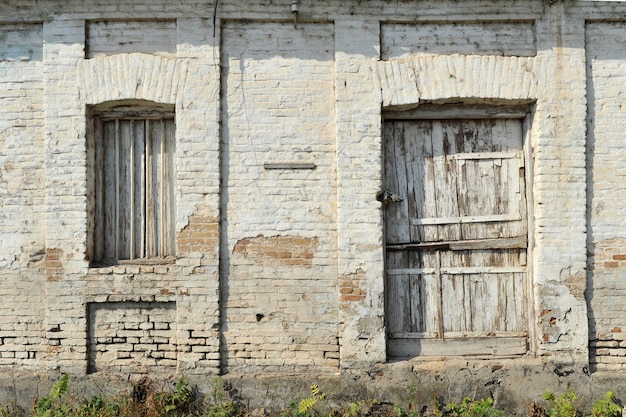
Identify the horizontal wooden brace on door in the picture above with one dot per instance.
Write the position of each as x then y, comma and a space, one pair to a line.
458, 270
456, 335
496, 243
486, 155
489, 347
466, 219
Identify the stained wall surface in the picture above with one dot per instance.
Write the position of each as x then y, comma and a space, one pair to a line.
278, 202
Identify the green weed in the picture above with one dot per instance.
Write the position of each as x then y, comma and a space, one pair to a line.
607, 406
182, 400
475, 408
54, 405
563, 405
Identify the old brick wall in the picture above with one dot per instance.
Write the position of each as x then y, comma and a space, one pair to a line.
279, 255
606, 76
22, 194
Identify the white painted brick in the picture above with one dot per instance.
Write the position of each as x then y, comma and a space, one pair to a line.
265, 92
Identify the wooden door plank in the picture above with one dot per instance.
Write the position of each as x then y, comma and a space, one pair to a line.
488, 346
438, 295
507, 135
398, 309
516, 309
444, 139
419, 148
396, 214
430, 301
397, 290
484, 302
452, 302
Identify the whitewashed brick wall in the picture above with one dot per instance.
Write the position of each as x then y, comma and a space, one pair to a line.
22, 194
278, 127
279, 263
606, 78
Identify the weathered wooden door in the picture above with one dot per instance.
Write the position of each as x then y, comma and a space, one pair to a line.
456, 233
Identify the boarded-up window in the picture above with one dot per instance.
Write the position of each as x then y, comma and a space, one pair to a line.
455, 237
134, 186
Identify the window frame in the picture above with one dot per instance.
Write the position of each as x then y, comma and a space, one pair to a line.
158, 246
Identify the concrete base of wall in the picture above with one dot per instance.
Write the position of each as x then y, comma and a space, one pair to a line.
514, 384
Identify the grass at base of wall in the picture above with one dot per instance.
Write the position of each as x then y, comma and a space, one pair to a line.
182, 400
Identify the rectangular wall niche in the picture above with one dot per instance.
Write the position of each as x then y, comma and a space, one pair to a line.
132, 336
466, 38
110, 37
21, 42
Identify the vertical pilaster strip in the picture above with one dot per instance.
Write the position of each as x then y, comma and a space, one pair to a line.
558, 139
198, 185
359, 221
66, 204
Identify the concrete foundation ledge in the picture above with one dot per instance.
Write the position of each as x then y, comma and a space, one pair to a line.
514, 384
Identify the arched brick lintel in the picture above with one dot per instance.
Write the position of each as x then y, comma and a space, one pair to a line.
133, 76
409, 80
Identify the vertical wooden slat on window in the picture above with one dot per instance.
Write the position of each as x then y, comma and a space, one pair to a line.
108, 189
138, 195
163, 192
171, 154
155, 185
124, 190
132, 168
99, 191
142, 223
149, 232
116, 181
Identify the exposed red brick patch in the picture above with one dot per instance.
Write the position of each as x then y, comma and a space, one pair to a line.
278, 250
201, 233
616, 330
54, 264
350, 288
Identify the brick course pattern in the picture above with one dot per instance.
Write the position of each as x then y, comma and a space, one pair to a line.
283, 269
132, 337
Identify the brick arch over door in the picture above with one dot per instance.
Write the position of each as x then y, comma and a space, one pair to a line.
407, 81
132, 76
